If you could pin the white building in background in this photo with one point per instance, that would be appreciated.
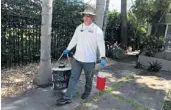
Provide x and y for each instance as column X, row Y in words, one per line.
column 167, row 33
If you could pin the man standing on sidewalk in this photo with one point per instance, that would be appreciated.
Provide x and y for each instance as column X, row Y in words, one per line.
column 87, row 38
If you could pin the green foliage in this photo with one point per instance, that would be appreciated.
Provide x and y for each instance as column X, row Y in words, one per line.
column 114, row 51
column 167, row 104
column 167, row 101
column 29, row 8
column 142, row 13
column 67, row 13
column 151, row 11
column 138, row 65
column 152, row 44
column 135, row 29
column 113, row 27
column 154, row 66
column 146, row 10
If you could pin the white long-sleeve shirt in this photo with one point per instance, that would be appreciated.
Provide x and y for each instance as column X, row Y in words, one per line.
column 87, row 39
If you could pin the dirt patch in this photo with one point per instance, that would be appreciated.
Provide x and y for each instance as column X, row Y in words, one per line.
column 17, row 80
column 153, row 82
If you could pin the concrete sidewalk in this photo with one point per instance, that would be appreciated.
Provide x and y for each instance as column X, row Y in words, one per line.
column 41, row 99
column 120, row 98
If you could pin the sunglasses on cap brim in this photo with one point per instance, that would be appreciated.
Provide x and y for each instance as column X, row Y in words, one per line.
column 87, row 15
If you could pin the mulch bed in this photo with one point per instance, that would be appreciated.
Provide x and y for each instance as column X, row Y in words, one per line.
column 17, row 80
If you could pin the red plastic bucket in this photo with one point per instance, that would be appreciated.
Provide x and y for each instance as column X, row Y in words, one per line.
column 101, row 81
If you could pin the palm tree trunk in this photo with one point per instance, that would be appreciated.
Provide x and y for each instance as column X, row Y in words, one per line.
column 105, row 16
column 100, row 8
column 124, row 23
column 44, row 76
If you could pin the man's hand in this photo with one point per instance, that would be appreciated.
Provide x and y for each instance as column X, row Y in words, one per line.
column 103, row 62
column 66, row 51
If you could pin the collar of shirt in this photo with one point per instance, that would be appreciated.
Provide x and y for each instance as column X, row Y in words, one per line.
column 88, row 28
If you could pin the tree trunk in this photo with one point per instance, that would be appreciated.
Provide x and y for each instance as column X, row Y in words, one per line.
column 124, row 23
column 100, row 8
column 149, row 27
column 43, row 78
column 105, row 16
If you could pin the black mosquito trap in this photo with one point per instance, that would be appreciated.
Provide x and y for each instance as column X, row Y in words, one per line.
column 61, row 73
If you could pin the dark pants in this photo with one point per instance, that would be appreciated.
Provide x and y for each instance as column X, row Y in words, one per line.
column 75, row 75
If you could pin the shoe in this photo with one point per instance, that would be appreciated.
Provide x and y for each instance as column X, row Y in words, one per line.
column 85, row 96
column 63, row 101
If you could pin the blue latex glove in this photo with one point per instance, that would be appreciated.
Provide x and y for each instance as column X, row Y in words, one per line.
column 66, row 51
column 103, row 62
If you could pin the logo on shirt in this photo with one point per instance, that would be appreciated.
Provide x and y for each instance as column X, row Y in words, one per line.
column 91, row 31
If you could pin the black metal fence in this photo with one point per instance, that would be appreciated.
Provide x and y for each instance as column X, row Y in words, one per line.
column 20, row 41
